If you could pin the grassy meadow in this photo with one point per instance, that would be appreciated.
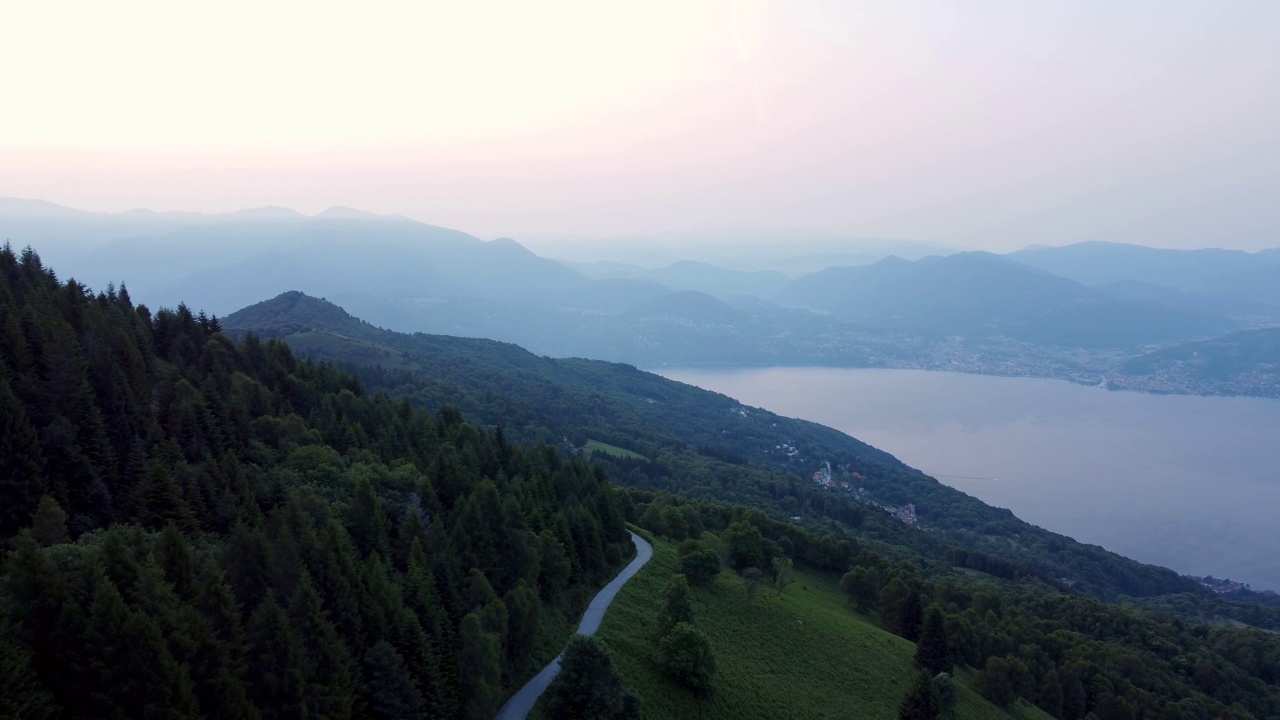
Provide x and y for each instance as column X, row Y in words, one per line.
column 802, row 654
column 606, row 448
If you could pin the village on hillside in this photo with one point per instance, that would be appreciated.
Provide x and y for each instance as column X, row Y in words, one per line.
column 825, row 477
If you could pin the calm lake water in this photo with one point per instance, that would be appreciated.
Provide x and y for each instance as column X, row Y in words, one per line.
column 1191, row 483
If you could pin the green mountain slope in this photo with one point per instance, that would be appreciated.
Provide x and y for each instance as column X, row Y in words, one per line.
column 695, row 443
column 799, row 654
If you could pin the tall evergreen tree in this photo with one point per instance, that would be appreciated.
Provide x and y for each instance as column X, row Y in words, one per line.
column 931, row 649
column 480, row 668
column 276, row 664
column 20, row 463
column 49, row 523
column 330, row 680
column 389, row 691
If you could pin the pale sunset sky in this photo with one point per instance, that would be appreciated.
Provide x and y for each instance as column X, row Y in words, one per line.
column 988, row 124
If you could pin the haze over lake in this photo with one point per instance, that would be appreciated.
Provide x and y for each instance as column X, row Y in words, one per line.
column 1191, row 483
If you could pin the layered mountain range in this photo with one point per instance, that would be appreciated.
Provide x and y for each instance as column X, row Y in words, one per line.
column 1082, row 311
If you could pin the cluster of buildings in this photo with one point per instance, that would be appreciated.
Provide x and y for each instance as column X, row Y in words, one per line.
column 824, row 477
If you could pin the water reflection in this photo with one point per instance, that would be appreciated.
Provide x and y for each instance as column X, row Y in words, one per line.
column 1186, row 482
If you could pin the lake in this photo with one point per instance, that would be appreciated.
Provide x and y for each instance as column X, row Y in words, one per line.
column 1191, row 483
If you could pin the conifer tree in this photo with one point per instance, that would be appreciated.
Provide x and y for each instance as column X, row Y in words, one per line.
column 479, row 666
column 328, row 672
column 175, row 560
column 276, row 670
column 20, row 462
column 135, row 673
column 21, row 694
column 931, row 650
column 389, row 691
column 158, row 500
column 366, row 522
column 49, row 523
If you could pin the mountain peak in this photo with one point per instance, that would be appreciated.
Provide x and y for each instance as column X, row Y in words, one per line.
column 291, row 312
column 339, row 212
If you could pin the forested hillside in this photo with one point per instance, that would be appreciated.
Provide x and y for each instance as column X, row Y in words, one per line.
column 694, row 443
column 195, row 528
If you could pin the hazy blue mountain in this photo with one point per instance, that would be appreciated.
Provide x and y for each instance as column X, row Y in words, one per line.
column 1103, row 263
column 1257, row 284
column 1144, row 292
column 981, row 294
column 692, row 275
column 65, row 231
column 793, row 252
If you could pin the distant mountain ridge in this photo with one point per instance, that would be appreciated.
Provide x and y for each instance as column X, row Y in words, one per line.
column 984, row 294
column 973, row 312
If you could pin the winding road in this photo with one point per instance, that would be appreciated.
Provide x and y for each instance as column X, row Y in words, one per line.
column 522, row 702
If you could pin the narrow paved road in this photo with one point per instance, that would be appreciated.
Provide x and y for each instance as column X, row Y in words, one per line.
column 522, row 702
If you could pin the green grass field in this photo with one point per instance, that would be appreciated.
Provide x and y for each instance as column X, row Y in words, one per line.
column 803, row 654
column 597, row 446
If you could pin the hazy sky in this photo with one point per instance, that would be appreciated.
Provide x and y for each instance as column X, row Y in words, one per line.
column 984, row 124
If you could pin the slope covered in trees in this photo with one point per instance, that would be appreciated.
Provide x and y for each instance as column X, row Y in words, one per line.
column 195, row 528
column 1014, row 643
column 695, row 443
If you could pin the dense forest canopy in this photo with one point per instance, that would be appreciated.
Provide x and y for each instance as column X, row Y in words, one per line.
column 196, row 528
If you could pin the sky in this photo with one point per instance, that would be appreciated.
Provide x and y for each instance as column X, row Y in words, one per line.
column 987, row 124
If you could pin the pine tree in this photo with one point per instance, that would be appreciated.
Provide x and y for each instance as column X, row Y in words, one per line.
column 931, row 650
column 330, row 680
column 389, row 691
column 20, row 463
column 21, row 694
column 158, row 500
column 366, row 522
column 276, row 668
column 49, row 523
column 135, row 673
column 175, row 560
column 480, row 668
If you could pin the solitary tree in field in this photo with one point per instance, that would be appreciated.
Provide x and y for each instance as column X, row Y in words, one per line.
column 783, row 575
column 687, row 657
